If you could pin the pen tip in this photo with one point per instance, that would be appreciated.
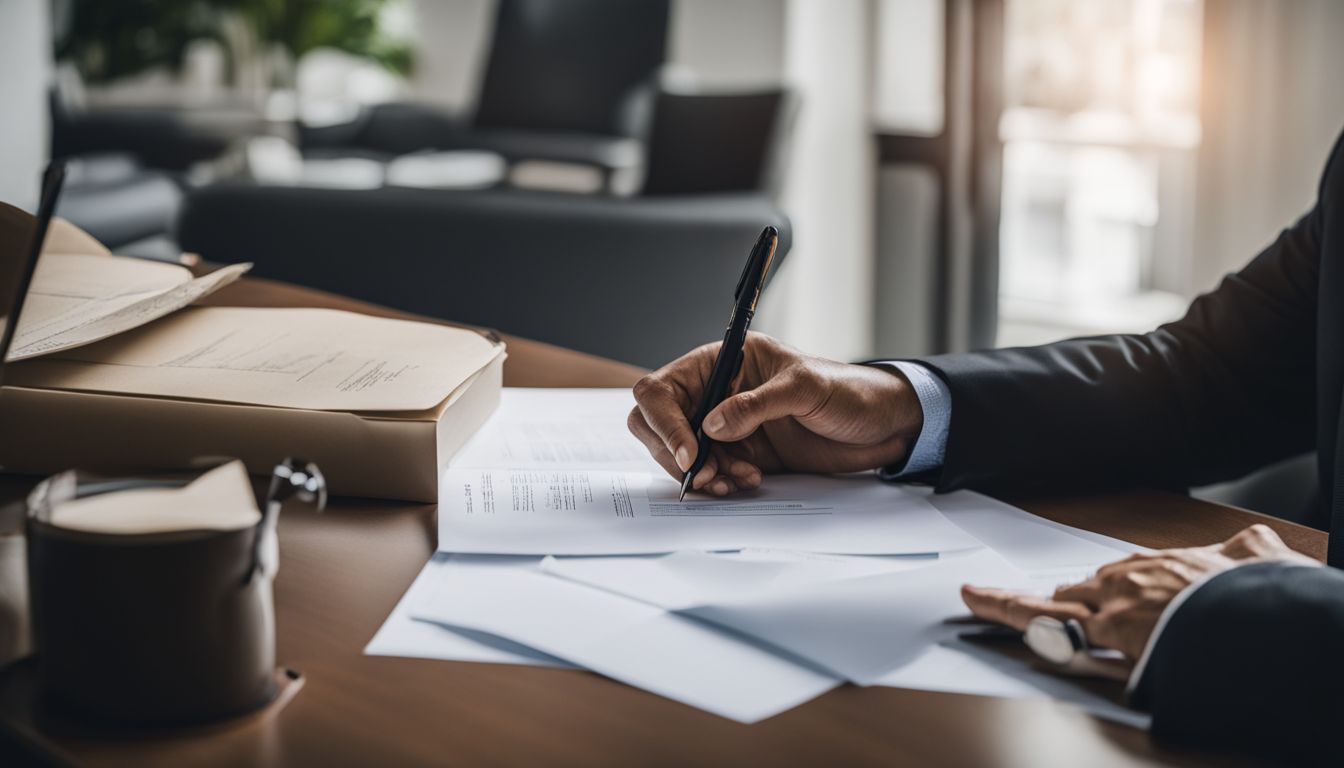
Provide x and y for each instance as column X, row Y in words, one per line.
column 685, row 483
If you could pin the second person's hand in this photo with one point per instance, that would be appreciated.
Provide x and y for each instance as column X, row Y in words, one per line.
column 787, row 412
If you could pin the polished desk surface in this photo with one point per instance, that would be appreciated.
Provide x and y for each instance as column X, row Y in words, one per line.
column 342, row 572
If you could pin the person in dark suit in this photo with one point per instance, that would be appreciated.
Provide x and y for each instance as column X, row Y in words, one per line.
column 1240, row 644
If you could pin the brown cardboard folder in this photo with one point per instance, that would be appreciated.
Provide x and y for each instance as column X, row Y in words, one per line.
column 394, row 455
column 381, row 405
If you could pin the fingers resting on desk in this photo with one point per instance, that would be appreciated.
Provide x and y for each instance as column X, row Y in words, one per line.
column 1120, row 606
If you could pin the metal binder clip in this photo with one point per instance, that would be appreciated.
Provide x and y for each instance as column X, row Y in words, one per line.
column 292, row 479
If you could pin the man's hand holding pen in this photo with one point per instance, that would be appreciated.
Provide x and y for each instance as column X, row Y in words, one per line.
column 786, row 412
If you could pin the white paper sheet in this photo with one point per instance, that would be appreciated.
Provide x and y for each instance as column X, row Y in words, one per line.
column 630, row 641
column 578, row 512
column 1048, row 552
column 402, row 635
column 951, row 665
column 559, row 429
column 1051, row 554
column 684, row 580
column 584, row 430
column 941, row 663
column 1017, row 535
column 860, row 628
column 77, row 299
column 557, row 472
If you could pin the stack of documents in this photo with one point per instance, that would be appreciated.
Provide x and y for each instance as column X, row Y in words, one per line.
column 108, row 347
column 562, row 543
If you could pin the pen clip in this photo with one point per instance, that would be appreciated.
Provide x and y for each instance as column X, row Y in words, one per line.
column 767, row 234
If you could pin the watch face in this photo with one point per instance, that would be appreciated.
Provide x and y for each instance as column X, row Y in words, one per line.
column 1050, row 639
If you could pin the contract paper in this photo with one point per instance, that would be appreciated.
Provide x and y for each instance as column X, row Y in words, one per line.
column 858, row 627
column 633, row 642
column 556, row 472
column 1050, row 554
column 581, row 435
column 684, row 580
column 716, row 586
column 316, row 359
column 596, row 512
column 404, row 636
column 936, row 660
column 559, row 429
column 77, row 299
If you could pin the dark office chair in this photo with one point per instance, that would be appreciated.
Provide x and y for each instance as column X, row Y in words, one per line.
column 705, row 143
column 159, row 138
column 569, row 66
column 120, row 183
column 562, row 83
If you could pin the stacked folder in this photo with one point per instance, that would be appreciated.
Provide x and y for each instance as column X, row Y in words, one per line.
column 112, row 369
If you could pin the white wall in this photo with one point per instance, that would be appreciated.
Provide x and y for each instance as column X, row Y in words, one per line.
column 451, row 41
column 823, row 302
column 728, row 42
column 738, row 42
column 25, row 69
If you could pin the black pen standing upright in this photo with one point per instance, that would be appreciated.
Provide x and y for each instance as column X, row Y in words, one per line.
column 729, row 361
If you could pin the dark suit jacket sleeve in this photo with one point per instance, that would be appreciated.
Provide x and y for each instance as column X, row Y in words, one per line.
column 1252, row 661
column 1226, row 389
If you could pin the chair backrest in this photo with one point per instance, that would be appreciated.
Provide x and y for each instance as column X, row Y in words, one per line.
column 569, row 65
column 721, row 142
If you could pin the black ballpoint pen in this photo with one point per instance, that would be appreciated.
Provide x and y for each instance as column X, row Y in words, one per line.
column 729, row 361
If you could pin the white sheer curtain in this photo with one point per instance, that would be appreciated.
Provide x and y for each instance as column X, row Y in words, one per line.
column 1272, row 105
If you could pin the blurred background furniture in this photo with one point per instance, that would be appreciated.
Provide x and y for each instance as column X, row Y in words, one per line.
column 166, row 139
column 639, row 279
column 128, row 165
column 160, row 137
column 718, row 142
column 563, row 83
column 128, row 208
column 693, row 142
column 636, row 279
column 436, row 211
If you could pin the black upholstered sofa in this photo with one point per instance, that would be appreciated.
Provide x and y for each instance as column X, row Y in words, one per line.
column 638, row 279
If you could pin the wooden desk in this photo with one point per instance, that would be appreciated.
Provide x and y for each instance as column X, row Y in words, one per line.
column 342, row 572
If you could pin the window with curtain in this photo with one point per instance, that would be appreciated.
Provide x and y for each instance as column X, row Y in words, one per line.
column 1100, row 131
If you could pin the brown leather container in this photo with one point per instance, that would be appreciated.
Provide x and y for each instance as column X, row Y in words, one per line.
column 150, row 629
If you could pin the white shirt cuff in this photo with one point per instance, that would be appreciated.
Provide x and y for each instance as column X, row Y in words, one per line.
column 935, row 399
